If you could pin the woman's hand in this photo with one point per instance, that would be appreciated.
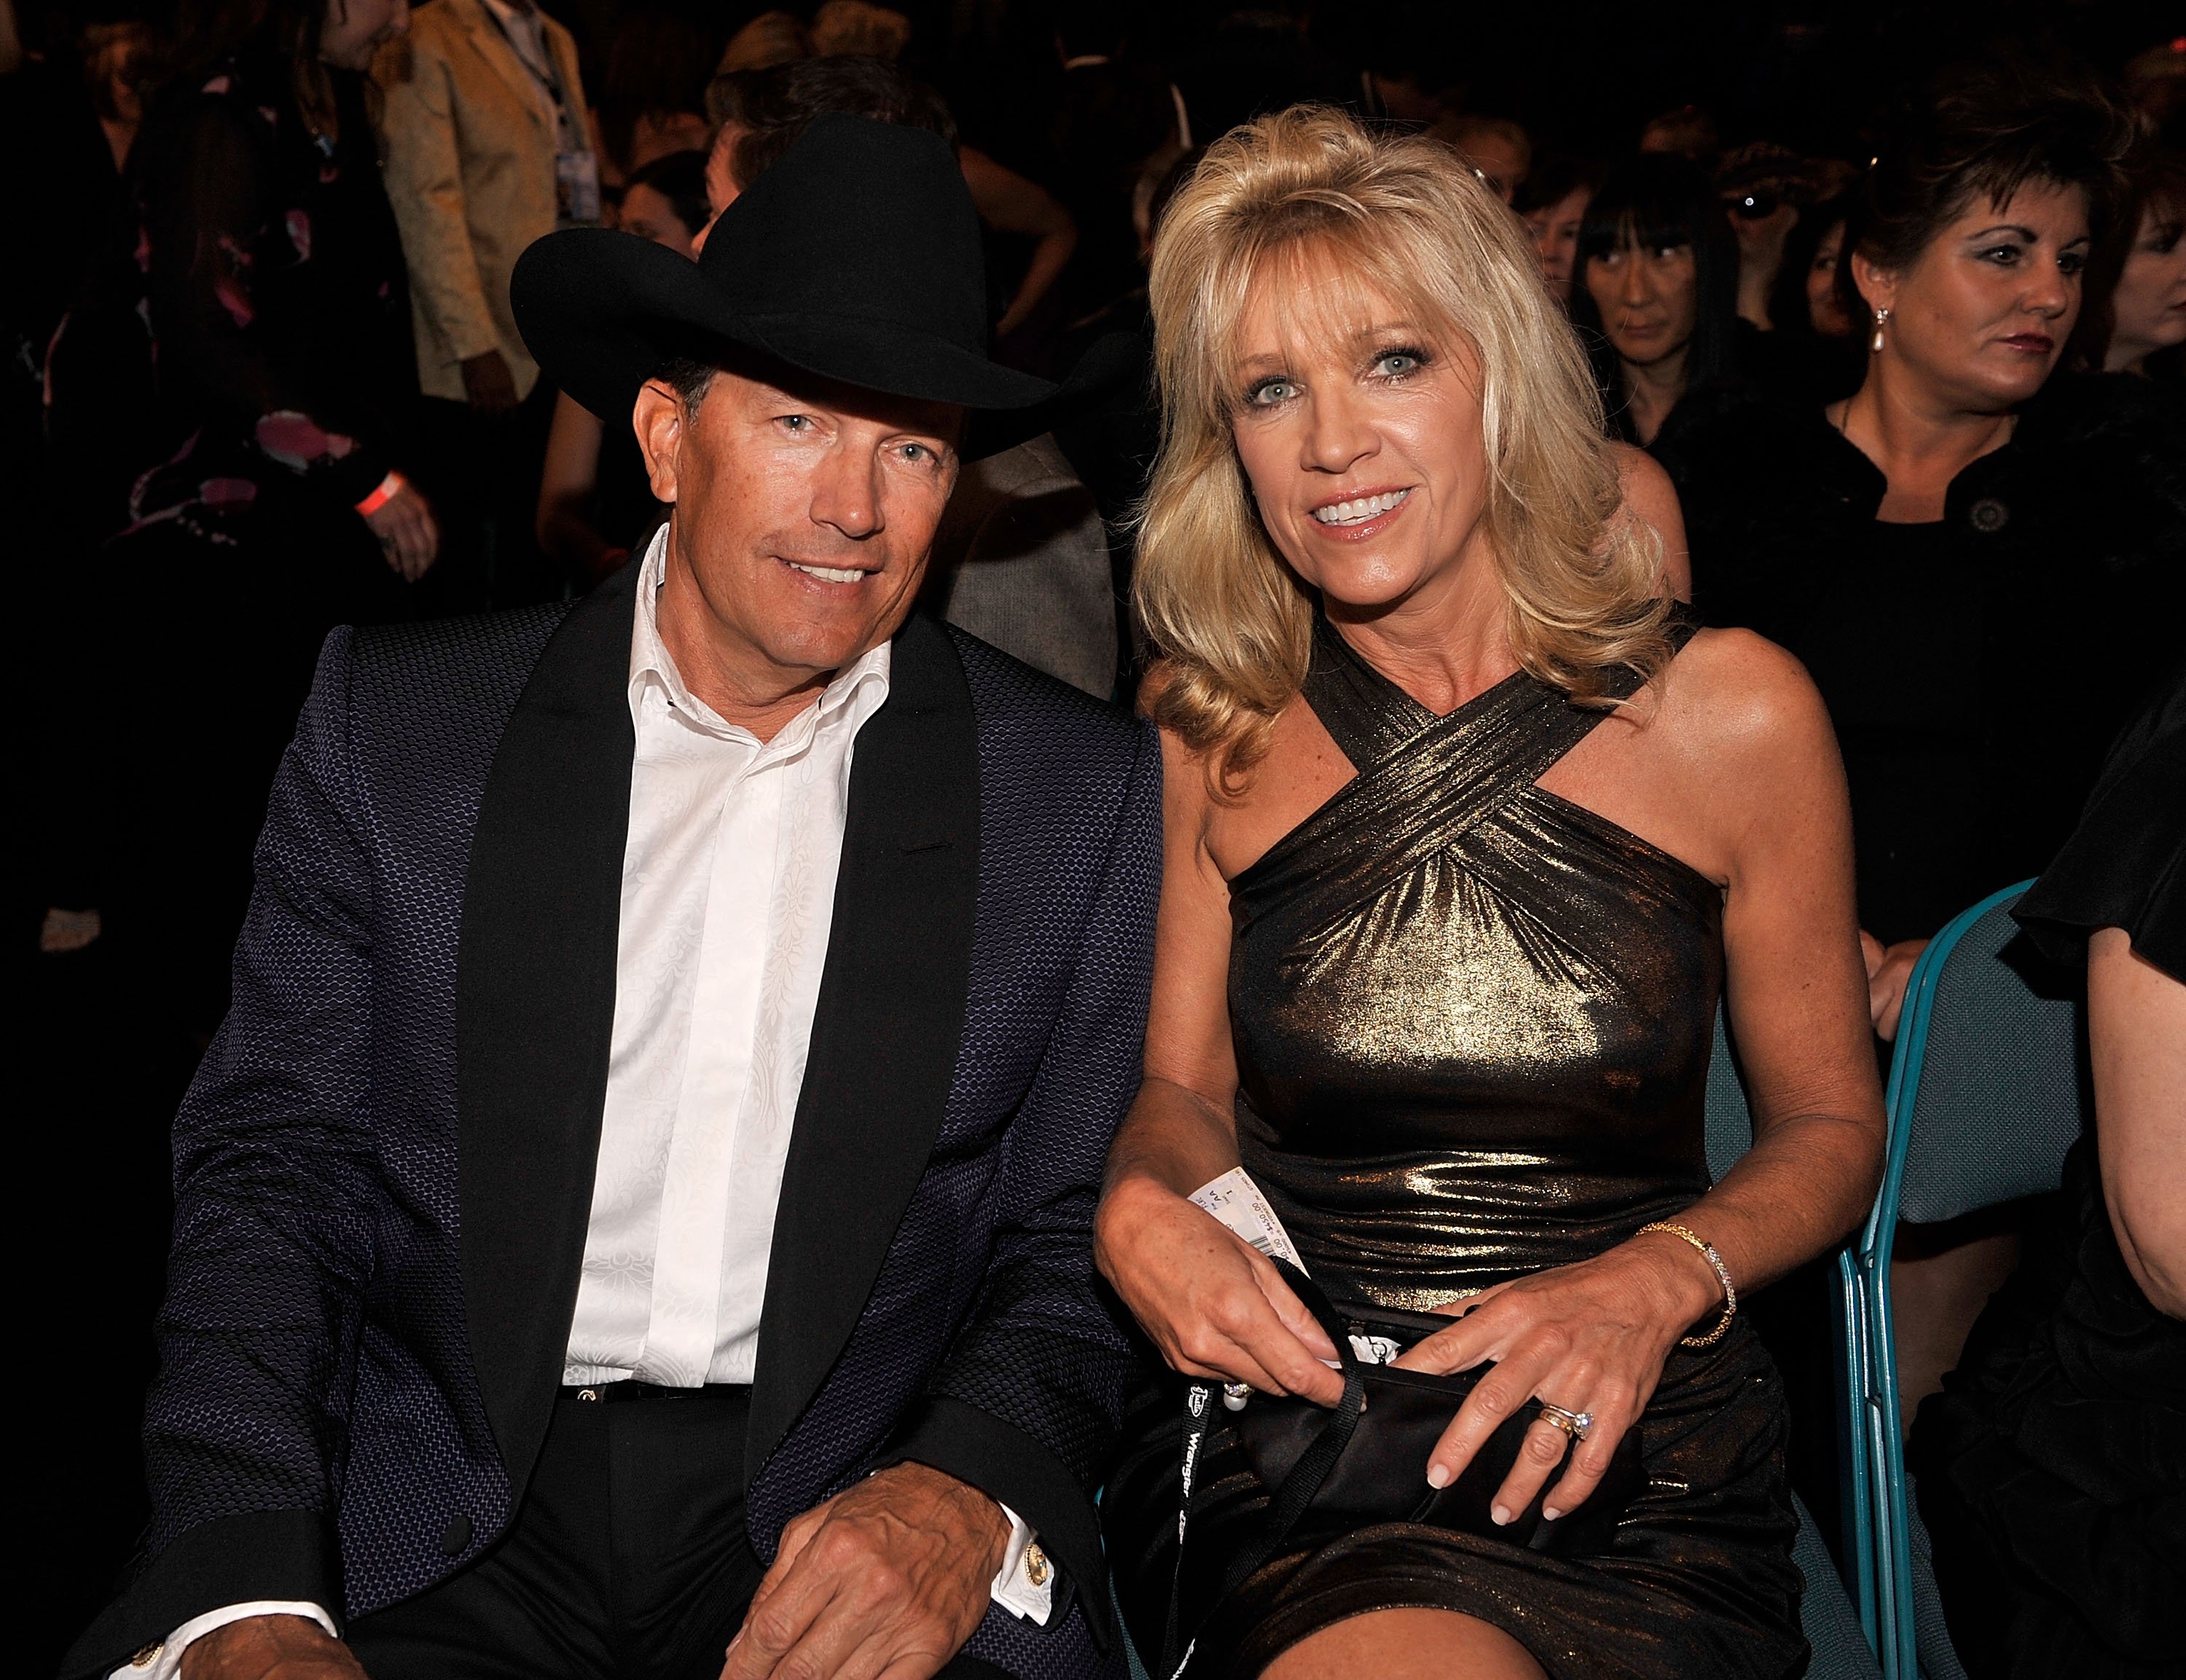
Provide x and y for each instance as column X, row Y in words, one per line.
column 409, row 536
column 1587, row 1338
column 1211, row 1301
column 1889, row 968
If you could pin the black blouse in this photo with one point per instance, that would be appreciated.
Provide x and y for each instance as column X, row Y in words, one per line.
column 1977, row 667
column 2052, row 1468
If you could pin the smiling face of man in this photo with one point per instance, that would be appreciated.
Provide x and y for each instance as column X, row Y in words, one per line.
column 803, row 514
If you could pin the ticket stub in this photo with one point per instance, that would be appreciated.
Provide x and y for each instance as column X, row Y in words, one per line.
column 1236, row 1201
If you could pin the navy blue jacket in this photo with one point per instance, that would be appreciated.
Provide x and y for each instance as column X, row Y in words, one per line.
column 384, row 1169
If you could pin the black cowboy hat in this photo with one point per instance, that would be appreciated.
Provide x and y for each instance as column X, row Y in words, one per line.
column 856, row 257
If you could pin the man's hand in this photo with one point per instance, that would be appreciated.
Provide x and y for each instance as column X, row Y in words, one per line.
column 270, row 1648
column 888, row 1578
column 488, row 383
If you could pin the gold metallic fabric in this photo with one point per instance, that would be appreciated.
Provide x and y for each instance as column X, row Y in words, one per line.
column 1472, row 1023
column 1473, row 1019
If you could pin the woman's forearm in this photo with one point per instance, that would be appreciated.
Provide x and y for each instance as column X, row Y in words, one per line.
column 1173, row 1137
column 1803, row 1187
column 1008, row 202
column 1049, row 258
column 2137, row 1041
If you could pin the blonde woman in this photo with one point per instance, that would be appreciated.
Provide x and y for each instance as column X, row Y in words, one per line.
column 1467, row 831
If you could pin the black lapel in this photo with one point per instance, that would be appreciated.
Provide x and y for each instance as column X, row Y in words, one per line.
column 535, row 1009
column 884, row 1036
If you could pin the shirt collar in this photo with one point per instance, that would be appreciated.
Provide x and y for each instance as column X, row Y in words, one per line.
column 863, row 681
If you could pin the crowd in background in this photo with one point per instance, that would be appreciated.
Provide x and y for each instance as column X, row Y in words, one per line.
column 263, row 377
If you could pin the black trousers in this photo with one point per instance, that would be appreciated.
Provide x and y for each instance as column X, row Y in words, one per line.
column 628, row 1559
column 481, row 473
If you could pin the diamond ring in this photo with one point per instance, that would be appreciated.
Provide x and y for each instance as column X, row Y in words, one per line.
column 1576, row 1424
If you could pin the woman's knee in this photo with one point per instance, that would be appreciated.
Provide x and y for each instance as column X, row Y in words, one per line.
column 1407, row 1645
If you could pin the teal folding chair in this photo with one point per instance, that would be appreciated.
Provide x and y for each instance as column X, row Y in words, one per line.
column 1983, row 1100
column 1839, row 1625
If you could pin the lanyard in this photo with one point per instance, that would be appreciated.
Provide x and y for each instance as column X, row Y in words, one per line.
column 550, row 85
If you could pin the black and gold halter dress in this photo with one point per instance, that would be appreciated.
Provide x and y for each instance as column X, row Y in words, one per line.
column 1472, row 1023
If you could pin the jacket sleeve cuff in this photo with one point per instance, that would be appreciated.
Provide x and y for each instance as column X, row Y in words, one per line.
column 260, row 1556
column 1020, row 1474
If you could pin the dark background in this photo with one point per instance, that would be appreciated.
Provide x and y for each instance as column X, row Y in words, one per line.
column 106, row 1068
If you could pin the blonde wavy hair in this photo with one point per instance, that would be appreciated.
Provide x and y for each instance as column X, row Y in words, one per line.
column 1403, row 218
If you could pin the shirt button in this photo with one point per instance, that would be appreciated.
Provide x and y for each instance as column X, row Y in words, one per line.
column 148, row 1655
column 456, row 1535
column 1988, row 514
column 1037, row 1568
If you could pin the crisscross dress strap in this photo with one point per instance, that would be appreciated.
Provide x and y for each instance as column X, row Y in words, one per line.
column 1423, row 781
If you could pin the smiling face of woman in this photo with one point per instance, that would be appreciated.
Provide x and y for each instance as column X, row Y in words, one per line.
column 1649, row 300
column 1978, row 318
column 1360, row 429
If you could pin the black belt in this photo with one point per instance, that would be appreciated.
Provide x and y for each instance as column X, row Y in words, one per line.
column 630, row 1388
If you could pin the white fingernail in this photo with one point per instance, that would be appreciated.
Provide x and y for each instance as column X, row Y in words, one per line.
column 1549, row 1512
column 1437, row 1476
column 1501, row 1513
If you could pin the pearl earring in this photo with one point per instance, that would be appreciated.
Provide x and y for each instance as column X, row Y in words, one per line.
column 1881, row 320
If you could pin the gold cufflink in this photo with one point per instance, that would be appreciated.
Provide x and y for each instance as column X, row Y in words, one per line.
column 1037, row 1568
column 148, row 1655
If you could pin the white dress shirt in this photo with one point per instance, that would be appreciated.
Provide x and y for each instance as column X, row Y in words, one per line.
column 728, row 896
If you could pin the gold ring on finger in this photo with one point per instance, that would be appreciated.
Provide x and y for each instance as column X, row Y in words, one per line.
column 1576, row 1424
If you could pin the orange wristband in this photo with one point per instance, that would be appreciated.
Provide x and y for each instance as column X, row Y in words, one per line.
column 389, row 487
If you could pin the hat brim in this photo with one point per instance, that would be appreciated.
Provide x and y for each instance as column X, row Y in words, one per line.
column 603, row 311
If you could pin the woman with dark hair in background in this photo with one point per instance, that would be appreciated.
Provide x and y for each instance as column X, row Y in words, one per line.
column 1815, row 354
column 2147, row 314
column 273, row 281
column 1654, row 301
column 1552, row 202
column 653, row 102
column 596, row 503
column 1977, row 580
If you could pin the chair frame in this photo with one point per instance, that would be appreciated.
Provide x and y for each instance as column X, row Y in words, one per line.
column 1851, row 1349
column 1880, row 1452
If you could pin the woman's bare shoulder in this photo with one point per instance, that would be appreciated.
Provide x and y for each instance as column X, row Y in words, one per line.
column 1746, row 706
column 1652, row 498
column 1186, row 784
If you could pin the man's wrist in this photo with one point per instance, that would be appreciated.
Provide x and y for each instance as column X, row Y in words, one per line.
column 201, row 1639
column 984, row 1514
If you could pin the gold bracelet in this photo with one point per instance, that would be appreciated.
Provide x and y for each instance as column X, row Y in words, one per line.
column 1722, row 1276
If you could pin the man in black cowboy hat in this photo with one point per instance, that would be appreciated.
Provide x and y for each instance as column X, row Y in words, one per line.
column 651, row 1157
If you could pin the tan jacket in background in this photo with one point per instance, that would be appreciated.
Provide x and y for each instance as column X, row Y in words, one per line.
column 470, row 171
